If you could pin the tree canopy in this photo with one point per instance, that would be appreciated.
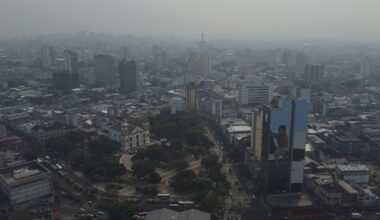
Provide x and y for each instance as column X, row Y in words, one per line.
column 121, row 211
column 142, row 167
column 184, row 181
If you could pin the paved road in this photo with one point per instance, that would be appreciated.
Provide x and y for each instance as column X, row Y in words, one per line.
column 240, row 199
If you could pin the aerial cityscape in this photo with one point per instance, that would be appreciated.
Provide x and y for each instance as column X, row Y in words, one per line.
column 158, row 116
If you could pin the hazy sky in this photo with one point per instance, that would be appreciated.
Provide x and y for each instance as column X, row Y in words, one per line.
column 218, row 19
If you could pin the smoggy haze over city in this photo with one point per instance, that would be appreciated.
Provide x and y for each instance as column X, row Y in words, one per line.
column 220, row 19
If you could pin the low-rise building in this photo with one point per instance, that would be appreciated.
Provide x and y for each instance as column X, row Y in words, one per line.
column 27, row 185
column 331, row 156
column 347, row 144
column 311, row 213
column 44, row 132
column 233, row 127
column 354, row 173
column 324, row 189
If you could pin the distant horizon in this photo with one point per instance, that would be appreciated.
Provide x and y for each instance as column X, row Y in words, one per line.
column 338, row 20
column 195, row 37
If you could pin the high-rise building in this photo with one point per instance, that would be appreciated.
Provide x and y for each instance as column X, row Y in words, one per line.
column 71, row 61
column 301, row 93
column 210, row 104
column 299, row 65
column 47, row 58
column 313, row 73
column 203, row 45
column 65, row 81
column 200, row 64
column 200, row 61
column 3, row 130
column 125, row 53
column 365, row 67
column 191, row 97
column 252, row 93
column 159, row 57
column 127, row 76
column 278, row 143
column 105, row 71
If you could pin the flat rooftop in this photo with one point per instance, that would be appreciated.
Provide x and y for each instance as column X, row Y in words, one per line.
column 353, row 167
column 347, row 138
column 233, row 121
column 315, row 139
column 23, row 172
column 238, row 128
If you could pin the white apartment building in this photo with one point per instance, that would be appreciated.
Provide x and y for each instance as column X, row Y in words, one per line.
column 47, row 58
column 255, row 93
column 354, row 173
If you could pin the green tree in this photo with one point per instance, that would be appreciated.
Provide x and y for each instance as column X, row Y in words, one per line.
column 153, row 178
column 202, row 187
column 209, row 161
column 75, row 136
column 30, row 155
column 121, row 211
column 215, row 174
column 182, row 165
column 156, row 153
column 184, row 181
column 176, row 144
column 148, row 189
column 60, row 146
column 103, row 146
column 212, row 200
column 77, row 158
column 175, row 155
column 168, row 130
column 142, row 167
column 192, row 136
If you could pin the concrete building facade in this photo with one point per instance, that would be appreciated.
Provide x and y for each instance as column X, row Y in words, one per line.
column 27, row 184
column 127, row 76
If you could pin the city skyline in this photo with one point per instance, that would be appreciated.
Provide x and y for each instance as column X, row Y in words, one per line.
column 291, row 19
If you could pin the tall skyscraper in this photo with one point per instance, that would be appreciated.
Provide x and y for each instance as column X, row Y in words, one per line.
column 159, row 57
column 71, row 61
column 47, row 58
column 127, row 76
column 278, row 142
column 3, row 129
column 191, row 97
column 65, row 81
column 105, row 71
column 125, row 53
column 313, row 73
column 200, row 62
column 365, row 67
